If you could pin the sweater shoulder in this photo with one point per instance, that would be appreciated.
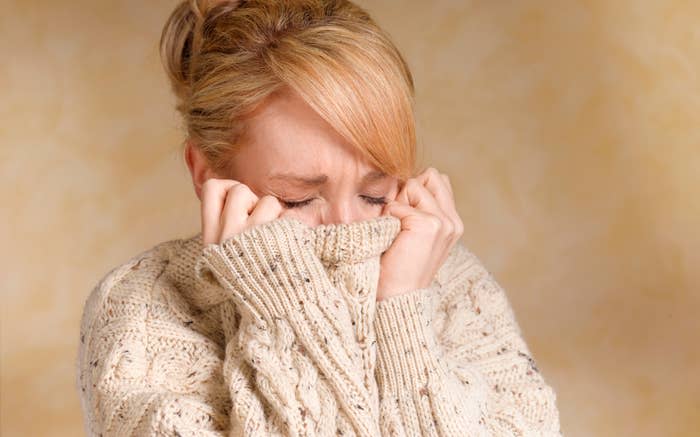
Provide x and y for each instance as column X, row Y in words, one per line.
column 133, row 317
column 464, row 276
column 132, row 280
column 459, row 260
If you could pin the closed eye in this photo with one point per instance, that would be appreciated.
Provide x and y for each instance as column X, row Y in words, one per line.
column 299, row 204
column 302, row 203
column 374, row 200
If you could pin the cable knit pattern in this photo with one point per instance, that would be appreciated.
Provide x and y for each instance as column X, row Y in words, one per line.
column 276, row 331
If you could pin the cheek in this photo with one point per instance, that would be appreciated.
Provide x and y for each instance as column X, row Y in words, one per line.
column 309, row 215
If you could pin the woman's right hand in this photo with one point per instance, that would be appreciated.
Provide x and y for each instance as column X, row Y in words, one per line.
column 229, row 207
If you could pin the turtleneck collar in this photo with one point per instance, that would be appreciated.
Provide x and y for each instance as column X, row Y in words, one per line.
column 335, row 244
column 349, row 243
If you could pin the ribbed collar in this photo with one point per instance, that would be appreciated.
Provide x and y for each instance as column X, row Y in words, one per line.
column 335, row 244
column 349, row 243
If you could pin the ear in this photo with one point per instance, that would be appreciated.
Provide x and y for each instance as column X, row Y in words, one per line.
column 198, row 166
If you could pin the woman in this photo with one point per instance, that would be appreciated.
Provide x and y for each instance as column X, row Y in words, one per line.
column 327, row 292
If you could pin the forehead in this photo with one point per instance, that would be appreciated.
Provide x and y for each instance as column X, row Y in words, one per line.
column 287, row 135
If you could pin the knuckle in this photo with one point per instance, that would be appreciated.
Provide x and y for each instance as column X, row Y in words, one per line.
column 449, row 227
column 208, row 184
column 239, row 190
column 434, row 223
column 237, row 187
column 269, row 199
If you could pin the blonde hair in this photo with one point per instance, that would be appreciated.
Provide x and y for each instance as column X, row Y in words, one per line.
column 225, row 58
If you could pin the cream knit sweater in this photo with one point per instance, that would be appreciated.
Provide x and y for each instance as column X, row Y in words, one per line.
column 276, row 331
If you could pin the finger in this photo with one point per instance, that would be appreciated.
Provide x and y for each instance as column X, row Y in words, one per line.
column 240, row 200
column 213, row 199
column 413, row 219
column 409, row 216
column 434, row 182
column 438, row 184
column 416, row 195
column 426, row 223
column 447, row 182
column 267, row 209
column 396, row 209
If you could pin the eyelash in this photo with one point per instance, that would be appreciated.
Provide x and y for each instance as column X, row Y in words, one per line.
column 368, row 199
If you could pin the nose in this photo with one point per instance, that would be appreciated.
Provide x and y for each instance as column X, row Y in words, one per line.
column 340, row 212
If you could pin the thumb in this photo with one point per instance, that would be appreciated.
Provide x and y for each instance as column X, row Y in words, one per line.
column 397, row 209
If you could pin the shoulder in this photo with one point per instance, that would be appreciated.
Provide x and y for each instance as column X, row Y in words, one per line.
column 131, row 322
column 130, row 281
column 459, row 263
column 464, row 276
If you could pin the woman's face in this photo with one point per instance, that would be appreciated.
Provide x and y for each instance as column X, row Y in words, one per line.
column 290, row 152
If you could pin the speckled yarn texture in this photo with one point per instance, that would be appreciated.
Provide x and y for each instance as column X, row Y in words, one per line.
column 277, row 332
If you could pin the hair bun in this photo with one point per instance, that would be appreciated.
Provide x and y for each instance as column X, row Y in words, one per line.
column 181, row 39
column 176, row 46
column 205, row 7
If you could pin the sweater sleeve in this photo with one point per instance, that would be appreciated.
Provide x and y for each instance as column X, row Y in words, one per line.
column 296, row 330
column 472, row 375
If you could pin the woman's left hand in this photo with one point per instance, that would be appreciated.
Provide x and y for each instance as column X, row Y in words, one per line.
column 430, row 226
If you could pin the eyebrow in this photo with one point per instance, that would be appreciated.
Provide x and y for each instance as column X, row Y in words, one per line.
column 314, row 181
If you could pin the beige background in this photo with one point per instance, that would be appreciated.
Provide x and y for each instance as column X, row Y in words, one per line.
column 569, row 129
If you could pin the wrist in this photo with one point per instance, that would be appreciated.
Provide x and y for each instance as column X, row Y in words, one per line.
column 388, row 291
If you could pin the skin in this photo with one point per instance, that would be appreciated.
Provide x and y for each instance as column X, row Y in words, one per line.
column 286, row 136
